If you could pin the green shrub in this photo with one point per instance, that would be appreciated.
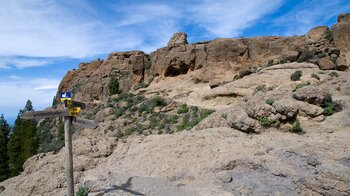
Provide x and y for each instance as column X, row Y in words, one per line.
column 334, row 60
column 322, row 55
column 328, row 110
column 140, row 85
column 194, row 108
column 269, row 63
column 321, row 72
column 83, row 191
column 160, row 132
column 296, row 128
column 184, row 124
column 305, row 56
column 296, row 75
column 269, row 101
column 205, row 113
column 153, row 122
column 315, row 76
column 261, row 87
column 148, row 64
column 329, row 107
column 119, row 112
column 183, row 109
column 174, row 119
column 113, row 86
column 276, row 124
column 158, row 101
column 236, row 77
column 301, row 85
column 328, row 35
column 264, row 121
column 283, row 60
column 334, row 74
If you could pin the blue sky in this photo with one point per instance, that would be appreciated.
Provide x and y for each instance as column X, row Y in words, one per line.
column 41, row 39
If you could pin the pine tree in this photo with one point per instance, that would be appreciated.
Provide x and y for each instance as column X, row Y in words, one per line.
column 14, row 148
column 54, row 102
column 4, row 166
column 23, row 141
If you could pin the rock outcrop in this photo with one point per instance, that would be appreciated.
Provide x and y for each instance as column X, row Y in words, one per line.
column 217, row 60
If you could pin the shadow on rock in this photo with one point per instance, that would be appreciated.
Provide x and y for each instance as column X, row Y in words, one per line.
column 123, row 187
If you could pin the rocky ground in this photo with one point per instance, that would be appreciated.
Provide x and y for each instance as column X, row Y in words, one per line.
column 231, row 152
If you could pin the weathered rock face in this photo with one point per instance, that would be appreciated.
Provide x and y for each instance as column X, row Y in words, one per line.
column 179, row 38
column 217, row 60
column 341, row 34
column 90, row 81
column 317, row 33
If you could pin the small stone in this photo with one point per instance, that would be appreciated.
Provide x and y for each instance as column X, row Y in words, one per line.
column 214, row 84
column 313, row 161
column 224, row 176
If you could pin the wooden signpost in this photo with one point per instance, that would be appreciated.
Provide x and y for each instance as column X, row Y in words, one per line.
column 70, row 113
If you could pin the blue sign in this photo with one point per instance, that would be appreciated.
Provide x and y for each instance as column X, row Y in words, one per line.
column 66, row 95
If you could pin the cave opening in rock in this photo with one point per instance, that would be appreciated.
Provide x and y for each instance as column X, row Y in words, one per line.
column 173, row 71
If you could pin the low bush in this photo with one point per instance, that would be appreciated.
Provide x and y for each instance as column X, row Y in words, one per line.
column 183, row 109
column 296, row 128
column 296, row 75
column 269, row 101
column 283, row 61
column 259, row 88
column 264, row 121
column 305, row 56
column 113, row 86
column 269, row 63
column 140, row 85
column 301, row 85
column 83, row 191
column 118, row 112
column 328, row 35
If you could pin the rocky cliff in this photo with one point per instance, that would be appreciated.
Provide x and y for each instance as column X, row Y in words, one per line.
column 217, row 60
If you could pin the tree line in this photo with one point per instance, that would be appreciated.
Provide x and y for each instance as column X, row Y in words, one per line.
column 24, row 140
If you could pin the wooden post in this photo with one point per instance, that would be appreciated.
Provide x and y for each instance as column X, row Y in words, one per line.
column 69, row 154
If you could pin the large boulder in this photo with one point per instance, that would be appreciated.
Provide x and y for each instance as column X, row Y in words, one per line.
column 341, row 34
column 310, row 94
column 326, row 64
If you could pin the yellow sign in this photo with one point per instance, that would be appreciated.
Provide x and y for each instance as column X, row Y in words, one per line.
column 68, row 99
column 74, row 111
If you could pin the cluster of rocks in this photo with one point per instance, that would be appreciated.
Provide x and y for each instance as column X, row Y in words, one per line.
column 282, row 104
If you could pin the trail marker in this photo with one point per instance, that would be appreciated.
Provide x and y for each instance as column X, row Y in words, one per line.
column 70, row 114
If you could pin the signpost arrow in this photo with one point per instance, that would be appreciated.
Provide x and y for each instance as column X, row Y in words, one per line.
column 69, row 114
column 46, row 114
column 84, row 123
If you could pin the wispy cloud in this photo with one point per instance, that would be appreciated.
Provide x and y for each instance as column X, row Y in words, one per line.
column 52, row 29
column 311, row 13
column 15, row 93
column 23, row 62
column 230, row 18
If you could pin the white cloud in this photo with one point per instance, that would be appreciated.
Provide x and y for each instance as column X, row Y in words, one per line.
column 311, row 13
column 52, row 29
column 23, row 62
column 229, row 18
column 72, row 29
column 14, row 94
